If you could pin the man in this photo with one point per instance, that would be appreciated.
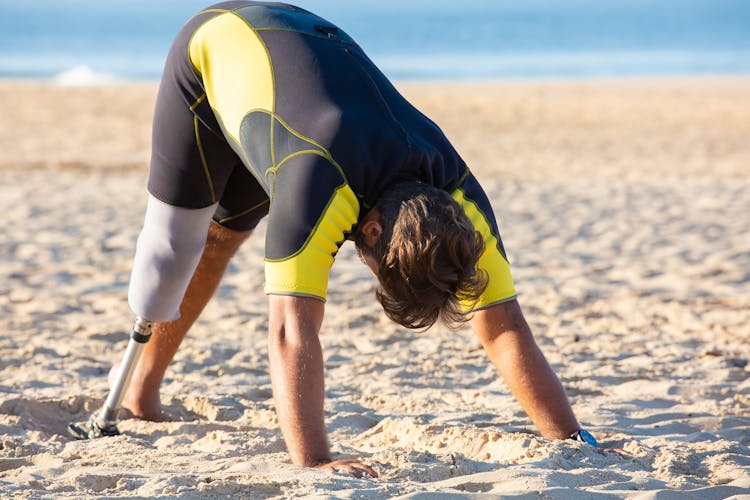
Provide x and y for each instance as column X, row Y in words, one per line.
column 269, row 109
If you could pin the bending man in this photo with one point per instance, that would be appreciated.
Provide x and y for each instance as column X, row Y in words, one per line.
column 271, row 110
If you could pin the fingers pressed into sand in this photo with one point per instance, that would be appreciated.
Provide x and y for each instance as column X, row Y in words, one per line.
column 349, row 465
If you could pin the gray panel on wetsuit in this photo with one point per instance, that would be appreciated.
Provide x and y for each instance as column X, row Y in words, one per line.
column 259, row 132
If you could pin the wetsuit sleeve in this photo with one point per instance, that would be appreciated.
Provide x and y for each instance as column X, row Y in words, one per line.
column 312, row 212
column 493, row 261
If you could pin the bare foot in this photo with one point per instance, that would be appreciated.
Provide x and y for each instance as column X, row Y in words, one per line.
column 138, row 402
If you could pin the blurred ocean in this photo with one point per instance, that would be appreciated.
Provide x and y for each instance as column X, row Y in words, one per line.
column 87, row 41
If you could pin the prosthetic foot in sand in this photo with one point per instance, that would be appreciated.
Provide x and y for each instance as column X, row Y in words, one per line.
column 104, row 423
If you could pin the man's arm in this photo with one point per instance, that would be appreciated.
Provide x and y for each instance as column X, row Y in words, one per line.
column 510, row 345
column 296, row 360
column 297, row 375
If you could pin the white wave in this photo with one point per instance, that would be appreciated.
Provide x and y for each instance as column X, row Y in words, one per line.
column 83, row 75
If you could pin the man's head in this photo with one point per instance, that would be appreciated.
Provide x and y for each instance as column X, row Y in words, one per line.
column 423, row 250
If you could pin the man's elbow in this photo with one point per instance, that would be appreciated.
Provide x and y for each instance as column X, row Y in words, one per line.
column 284, row 337
column 293, row 322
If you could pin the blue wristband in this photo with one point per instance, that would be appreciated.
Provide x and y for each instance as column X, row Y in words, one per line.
column 585, row 436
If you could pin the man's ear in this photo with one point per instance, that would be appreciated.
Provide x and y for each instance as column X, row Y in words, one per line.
column 371, row 230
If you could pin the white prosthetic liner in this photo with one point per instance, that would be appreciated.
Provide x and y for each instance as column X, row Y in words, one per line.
column 168, row 251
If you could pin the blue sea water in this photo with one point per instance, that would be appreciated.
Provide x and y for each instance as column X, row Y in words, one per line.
column 89, row 41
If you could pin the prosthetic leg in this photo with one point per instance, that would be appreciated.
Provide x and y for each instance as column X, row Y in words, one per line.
column 104, row 423
column 168, row 251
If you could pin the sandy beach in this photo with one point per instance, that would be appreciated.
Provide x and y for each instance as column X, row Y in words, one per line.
column 623, row 206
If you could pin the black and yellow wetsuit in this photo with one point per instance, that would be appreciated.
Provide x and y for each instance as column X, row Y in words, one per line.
column 269, row 109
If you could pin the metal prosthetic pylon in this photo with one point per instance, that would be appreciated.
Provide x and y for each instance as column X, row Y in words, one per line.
column 104, row 423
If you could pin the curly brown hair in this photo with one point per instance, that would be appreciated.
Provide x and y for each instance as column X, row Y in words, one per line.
column 427, row 257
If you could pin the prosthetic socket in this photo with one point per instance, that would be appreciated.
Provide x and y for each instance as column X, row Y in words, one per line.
column 168, row 250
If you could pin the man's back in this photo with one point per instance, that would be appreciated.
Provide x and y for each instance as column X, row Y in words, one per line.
column 282, row 81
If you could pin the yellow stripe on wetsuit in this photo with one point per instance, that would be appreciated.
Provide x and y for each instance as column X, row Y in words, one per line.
column 500, row 286
column 235, row 67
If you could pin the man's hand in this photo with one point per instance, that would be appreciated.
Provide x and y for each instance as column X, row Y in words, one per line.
column 350, row 465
